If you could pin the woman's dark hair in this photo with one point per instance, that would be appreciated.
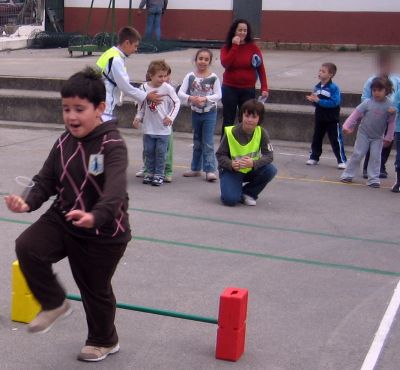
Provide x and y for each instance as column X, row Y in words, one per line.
column 204, row 50
column 382, row 83
column 86, row 84
column 253, row 106
column 232, row 30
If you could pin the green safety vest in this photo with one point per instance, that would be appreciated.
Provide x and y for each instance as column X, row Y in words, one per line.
column 251, row 149
column 105, row 61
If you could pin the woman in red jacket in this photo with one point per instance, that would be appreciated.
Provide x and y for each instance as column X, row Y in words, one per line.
column 243, row 63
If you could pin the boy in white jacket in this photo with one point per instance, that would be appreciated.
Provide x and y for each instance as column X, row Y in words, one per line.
column 115, row 77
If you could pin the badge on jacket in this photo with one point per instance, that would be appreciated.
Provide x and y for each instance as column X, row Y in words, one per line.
column 96, row 164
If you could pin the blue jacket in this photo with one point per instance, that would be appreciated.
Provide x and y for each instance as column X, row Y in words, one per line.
column 328, row 107
column 396, row 103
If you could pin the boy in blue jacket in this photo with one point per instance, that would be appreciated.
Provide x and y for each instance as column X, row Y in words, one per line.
column 326, row 98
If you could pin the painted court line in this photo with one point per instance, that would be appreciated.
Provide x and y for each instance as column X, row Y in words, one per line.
column 266, row 227
column 338, row 266
column 383, row 331
column 210, row 248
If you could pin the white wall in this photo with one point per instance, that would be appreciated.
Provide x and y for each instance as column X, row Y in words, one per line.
column 288, row 5
column 333, row 5
column 172, row 4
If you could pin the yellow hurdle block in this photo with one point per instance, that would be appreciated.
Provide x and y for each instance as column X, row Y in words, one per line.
column 24, row 306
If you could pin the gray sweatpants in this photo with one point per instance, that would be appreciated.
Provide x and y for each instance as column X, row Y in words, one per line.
column 361, row 146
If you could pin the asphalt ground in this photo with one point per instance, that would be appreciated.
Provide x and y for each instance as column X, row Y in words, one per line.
column 285, row 69
column 320, row 260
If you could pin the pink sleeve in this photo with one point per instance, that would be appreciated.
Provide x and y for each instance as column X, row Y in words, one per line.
column 391, row 126
column 352, row 120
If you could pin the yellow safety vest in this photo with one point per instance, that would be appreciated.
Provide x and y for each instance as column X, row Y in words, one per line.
column 251, row 149
column 105, row 61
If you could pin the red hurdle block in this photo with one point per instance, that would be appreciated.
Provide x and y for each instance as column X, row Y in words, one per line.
column 232, row 317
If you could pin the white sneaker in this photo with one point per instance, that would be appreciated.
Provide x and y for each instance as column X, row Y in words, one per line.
column 342, row 166
column 140, row 173
column 248, row 200
column 311, row 162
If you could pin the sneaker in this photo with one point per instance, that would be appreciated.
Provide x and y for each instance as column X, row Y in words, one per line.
column 365, row 175
column 191, row 174
column 157, row 181
column 45, row 319
column 140, row 173
column 211, row 176
column 375, row 185
column 168, row 179
column 148, row 179
column 396, row 188
column 383, row 174
column 311, row 162
column 94, row 354
column 342, row 166
column 346, row 180
column 248, row 200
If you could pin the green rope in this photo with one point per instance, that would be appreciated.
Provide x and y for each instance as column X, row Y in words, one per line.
column 156, row 311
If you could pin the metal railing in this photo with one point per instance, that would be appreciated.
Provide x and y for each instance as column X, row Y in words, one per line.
column 14, row 13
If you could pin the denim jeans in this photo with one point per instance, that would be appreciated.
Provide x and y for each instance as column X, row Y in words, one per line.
column 232, row 100
column 155, row 153
column 203, row 141
column 153, row 22
column 231, row 183
column 397, row 141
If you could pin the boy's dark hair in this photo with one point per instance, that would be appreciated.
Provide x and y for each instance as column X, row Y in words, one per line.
column 157, row 65
column 253, row 106
column 128, row 33
column 86, row 84
column 382, row 83
column 332, row 69
column 204, row 50
column 232, row 30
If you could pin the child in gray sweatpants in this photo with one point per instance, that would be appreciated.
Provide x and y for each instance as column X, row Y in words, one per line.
column 376, row 115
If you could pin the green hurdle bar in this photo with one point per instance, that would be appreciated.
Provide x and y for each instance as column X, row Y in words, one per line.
column 155, row 311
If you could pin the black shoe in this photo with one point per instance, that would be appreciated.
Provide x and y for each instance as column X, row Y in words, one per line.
column 383, row 174
column 147, row 179
column 374, row 185
column 396, row 188
column 365, row 174
column 157, row 181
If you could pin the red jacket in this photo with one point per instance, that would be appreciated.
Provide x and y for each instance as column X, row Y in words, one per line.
column 238, row 69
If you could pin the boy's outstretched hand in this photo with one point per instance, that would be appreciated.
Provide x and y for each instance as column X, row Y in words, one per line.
column 80, row 218
column 16, row 204
column 154, row 97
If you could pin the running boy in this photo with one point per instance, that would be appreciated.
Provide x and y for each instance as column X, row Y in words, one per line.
column 88, row 220
column 116, row 79
column 157, row 121
column 326, row 98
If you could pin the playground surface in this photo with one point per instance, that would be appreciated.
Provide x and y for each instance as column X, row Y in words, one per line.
column 319, row 258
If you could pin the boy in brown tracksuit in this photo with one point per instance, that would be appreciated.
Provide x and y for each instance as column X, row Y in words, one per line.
column 88, row 220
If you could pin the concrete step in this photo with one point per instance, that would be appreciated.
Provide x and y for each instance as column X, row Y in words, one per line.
column 285, row 96
column 292, row 122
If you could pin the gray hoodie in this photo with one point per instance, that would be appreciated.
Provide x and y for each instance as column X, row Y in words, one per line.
column 151, row 4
